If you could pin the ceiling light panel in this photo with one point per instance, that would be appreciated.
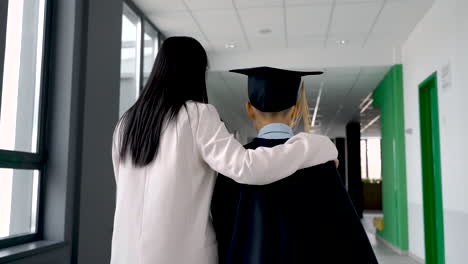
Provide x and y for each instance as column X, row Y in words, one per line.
column 352, row 41
column 265, row 31
column 256, row 19
column 230, row 45
column 223, row 47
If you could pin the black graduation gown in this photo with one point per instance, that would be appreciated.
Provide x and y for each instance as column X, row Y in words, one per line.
column 305, row 218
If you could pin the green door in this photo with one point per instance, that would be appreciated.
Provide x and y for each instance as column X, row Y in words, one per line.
column 431, row 173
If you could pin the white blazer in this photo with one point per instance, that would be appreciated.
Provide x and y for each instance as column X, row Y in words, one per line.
column 162, row 213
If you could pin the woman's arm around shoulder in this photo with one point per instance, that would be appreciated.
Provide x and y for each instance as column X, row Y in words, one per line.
column 225, row 154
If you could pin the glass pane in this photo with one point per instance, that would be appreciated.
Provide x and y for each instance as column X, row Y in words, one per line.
column 150, row 51
column 18, row 202
column 21, row 85
column 130, row 60
column 364, row 159
column 373, row 152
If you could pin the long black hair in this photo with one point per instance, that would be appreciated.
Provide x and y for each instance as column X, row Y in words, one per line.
column 178, row 76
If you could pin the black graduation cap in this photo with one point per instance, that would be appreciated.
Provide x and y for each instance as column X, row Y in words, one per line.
column 271, row 89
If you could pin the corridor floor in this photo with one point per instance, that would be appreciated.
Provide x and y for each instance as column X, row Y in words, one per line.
column 384, row 254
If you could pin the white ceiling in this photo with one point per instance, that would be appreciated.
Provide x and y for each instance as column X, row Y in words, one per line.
column 293, row 23
column 343, row 91
column 304, row 35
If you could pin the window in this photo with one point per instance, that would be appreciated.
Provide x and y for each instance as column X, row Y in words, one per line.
column 140, row 45
column 364, row 159
column 18, row 188
column 21, row 76
column 370, row 159
column 150, row 50
column 21, row 119
column 130, row 59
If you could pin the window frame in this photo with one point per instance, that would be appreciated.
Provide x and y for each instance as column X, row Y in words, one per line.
column 368, row 177
column 143, row 20
column 147, row 27
column 3, row 27
column 12, row 159
column 366, row 158
column 132, row 15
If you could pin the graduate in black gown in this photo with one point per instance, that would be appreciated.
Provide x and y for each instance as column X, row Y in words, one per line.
column 307, row 217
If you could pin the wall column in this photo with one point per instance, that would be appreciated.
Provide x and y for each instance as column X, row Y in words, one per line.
column 341, row 147
column 353, row 158
column 388, row 97
column 101, row 84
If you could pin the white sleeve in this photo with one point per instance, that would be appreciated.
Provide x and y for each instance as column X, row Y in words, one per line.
column 226, row 155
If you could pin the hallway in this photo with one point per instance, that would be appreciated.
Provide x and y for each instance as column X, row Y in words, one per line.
column 391, row 98
column 384, row 254
column 387, row 256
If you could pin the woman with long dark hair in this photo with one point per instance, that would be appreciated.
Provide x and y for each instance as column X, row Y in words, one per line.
column 166, row 149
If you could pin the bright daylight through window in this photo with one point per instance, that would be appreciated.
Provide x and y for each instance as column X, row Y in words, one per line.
column 130, row 59
column 21, row 120
column 150, row 50
column 370, row 159
column 140, row 45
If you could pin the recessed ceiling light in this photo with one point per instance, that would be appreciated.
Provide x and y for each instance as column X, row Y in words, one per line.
column 264, row 31
column 230, row 45
column 342, row 41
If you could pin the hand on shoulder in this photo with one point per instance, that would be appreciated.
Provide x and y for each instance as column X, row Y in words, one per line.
column 325, row 148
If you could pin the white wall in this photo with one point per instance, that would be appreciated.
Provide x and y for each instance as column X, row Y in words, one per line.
column 440, row 39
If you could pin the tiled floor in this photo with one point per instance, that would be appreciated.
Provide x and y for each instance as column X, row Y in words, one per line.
column 384, row 254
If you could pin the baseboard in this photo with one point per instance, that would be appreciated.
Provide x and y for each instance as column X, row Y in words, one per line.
column 416, row 258
column 391, row 246
column 399, row 251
